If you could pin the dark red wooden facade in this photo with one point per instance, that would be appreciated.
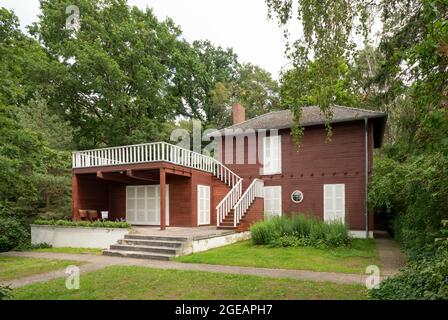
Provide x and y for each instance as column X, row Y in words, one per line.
column 317, row 162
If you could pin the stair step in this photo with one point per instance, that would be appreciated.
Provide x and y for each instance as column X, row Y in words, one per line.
column 151, row 243
column 164, row 250
column 221, row 227
column 226, row 223
column 138, row 255
column 146, row 237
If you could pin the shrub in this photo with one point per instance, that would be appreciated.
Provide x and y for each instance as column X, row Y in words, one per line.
column 423, row 278
column 5, row 292
column 261, row 233
column 28, row 246
column 87, row 224
column 300, row 230
column 12, row 233
column 414, row 194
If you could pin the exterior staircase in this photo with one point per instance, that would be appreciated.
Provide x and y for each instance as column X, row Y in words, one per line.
column 227, row 222
column 148, row 247
column 233, row 208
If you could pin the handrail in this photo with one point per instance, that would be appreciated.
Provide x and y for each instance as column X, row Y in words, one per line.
column 254, row 190
column 228, row 202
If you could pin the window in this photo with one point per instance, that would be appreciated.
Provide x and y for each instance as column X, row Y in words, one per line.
column 272, row 150
column 297, row 196
column 273, row 201
column 334, row 202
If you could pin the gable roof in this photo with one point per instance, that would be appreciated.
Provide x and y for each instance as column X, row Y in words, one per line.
column 312, row 115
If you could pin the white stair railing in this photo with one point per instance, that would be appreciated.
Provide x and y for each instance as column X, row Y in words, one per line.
column 242, row 205
column 228, row 202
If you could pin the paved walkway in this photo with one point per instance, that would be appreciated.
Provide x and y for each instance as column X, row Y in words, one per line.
column 390, row 257
column 95, row 262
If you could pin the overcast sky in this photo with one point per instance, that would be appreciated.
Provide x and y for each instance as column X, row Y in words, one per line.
column 240, row 24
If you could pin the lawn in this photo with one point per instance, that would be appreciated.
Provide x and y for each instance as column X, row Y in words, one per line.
column 19, row 267
column 129, row 282
column 71, row 250
column 354, row 259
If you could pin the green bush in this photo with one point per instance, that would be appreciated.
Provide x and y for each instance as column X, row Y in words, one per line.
column 5, row 292
column 423, row 278
column 87, row 224
column 413, row 194
column 12, row 233
column 300, row 230
column 28, row 246
column 426, row 278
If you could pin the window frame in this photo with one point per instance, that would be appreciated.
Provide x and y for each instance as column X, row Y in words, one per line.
column 292, row 198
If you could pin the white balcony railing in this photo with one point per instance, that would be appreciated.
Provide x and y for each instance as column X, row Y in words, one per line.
column 254, row 190
column 154, row 152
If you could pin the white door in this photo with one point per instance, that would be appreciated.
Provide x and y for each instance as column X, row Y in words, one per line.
column 272, row 201
column 203, row 205
column 334, row 202
column 143, row 205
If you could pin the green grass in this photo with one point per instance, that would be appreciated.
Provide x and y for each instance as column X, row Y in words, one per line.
column 354, row 259
column 126, row 282
column 71, row 250
column 20, row 267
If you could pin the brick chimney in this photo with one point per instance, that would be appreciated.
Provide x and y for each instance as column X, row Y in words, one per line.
column 239, row 113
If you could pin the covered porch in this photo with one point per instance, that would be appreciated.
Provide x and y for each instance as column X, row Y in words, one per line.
column 151, row 194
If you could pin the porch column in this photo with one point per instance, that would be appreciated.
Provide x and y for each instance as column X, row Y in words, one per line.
column 162, row 198
column 75, row 197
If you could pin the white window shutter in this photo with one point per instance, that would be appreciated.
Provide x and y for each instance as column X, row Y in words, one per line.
column 272, row 154
column 273, row 200
column 334, row 202
column 203, row 204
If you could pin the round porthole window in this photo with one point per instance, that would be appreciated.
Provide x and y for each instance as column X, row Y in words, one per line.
column 297, row 196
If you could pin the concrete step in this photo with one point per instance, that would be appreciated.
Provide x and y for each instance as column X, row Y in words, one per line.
column 147, row 237
column 152, row 243
column 163, row 250
column 138, row 255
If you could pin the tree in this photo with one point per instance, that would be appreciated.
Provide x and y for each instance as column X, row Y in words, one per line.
column 209, row 97
column 56, row 132
column 116, row 80
column 256, row 90
column 21, row 156
column 300, row 88
column 327, row 27
column 219, row 81
column 54, row 182
column 34, row 161
column 21, row 63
